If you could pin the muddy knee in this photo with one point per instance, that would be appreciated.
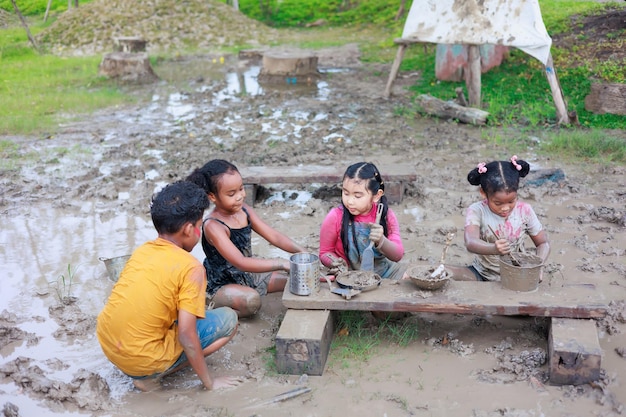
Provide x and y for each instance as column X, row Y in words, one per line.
column 251, row 306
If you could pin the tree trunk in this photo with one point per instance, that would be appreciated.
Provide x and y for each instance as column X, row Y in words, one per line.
column 30, row 36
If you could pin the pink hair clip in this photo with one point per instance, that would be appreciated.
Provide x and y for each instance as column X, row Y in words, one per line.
column 515, row 164
column 482, row 168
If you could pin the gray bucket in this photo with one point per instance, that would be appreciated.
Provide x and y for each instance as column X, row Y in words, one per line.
column 304, row 273
column 524, row 277
column 115, row 265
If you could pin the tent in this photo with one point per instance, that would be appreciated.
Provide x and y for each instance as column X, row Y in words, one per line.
column 515, row 23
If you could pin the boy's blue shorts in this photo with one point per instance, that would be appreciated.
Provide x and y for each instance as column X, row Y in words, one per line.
column 218, row 323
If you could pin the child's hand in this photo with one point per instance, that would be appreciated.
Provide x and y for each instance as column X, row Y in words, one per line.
column 337, row 266
column 503, row 246
column 226, row 382
column 376, row 233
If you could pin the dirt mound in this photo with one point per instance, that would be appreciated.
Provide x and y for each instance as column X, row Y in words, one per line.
column 597, row 37
column 166, row 25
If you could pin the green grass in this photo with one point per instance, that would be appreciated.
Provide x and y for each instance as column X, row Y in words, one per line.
column 38, row 91
column 591, row 145
column 359, row 335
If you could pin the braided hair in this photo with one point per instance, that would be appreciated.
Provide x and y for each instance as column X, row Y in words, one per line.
column 367, row 172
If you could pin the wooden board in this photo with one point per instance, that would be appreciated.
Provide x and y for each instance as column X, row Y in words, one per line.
column 316, row 173
column 461, row 297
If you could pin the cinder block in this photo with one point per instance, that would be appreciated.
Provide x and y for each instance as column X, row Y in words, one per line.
column 250, row 190
column 303, row 342
column 394, row 190
column 574, row 352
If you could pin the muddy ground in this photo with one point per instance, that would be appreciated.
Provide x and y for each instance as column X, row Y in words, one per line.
column 82, row 194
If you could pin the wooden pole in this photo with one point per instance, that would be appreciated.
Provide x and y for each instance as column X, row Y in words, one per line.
column 45, row 16
column 557, row 94
column 394, row 69
column 30, row 37
column 472, row 78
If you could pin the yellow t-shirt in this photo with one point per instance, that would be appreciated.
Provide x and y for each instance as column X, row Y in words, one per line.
column 136, row 328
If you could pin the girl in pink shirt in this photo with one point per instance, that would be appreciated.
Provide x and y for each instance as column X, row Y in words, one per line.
column 348, row 229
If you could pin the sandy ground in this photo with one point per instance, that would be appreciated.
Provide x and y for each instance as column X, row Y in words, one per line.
column 83, row 194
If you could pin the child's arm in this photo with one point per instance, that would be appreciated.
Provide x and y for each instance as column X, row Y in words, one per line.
column 541, row 243
column 188, row 337
column 475, row 244
column 391, row 245
column 272, row 235
column 218, row 235
column 330, row 239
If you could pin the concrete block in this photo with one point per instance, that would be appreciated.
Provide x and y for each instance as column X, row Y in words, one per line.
column 303, row 342
column 394, row 190
column 574, row 352
column 250, row 190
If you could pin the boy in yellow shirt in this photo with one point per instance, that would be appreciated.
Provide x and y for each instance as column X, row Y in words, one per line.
column 155, row 322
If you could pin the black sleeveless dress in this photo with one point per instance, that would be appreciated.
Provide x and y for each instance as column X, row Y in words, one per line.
column 219, row 271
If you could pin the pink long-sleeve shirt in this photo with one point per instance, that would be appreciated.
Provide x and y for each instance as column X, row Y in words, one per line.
column 330, row 233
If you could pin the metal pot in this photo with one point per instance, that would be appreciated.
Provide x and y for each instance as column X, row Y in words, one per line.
column 304, row 273
column 115, row 265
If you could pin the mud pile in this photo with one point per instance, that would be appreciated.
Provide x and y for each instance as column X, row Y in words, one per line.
column 167, row 25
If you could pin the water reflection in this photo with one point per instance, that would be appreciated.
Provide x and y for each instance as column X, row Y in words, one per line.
column 48, row 252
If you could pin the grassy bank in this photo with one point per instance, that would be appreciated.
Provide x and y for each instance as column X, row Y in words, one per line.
column 38, row 90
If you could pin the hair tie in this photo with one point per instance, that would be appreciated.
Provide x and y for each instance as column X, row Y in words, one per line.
column 482, row 168
column 515, row 164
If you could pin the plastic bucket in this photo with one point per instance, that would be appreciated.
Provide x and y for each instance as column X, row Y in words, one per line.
column 115, row 265
column 524, row 277
column 304, row 273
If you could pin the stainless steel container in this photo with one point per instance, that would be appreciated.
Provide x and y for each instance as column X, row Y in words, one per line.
column 115, row 265
column 304, row 273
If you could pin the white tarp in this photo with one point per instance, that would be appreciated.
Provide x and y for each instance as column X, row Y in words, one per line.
column 516, row 23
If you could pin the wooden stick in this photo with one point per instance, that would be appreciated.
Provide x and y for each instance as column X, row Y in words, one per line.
column 513, row 258
column 283, row 397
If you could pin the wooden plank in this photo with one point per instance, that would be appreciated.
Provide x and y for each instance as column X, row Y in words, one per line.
column 460, row 297
column 316, row 173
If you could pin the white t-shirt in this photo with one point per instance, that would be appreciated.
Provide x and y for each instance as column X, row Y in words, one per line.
column 521, row 222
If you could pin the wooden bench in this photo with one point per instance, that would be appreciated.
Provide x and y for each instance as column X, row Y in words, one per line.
column 457, row 297
column 395, row 176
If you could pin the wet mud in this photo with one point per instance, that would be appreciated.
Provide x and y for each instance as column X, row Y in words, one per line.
column 83, row 194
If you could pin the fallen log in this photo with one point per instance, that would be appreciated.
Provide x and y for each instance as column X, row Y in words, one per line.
column 450, row 110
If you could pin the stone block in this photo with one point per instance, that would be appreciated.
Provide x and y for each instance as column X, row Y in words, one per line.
column 394, row 190
column 303, row 342
column 574, row 352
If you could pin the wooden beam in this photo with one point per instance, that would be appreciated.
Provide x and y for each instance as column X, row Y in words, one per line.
column 473, row 76
column 394, row 69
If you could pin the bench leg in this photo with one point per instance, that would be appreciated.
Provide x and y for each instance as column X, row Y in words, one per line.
column 250, row 193
column 303, row 342
column 574, row 351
